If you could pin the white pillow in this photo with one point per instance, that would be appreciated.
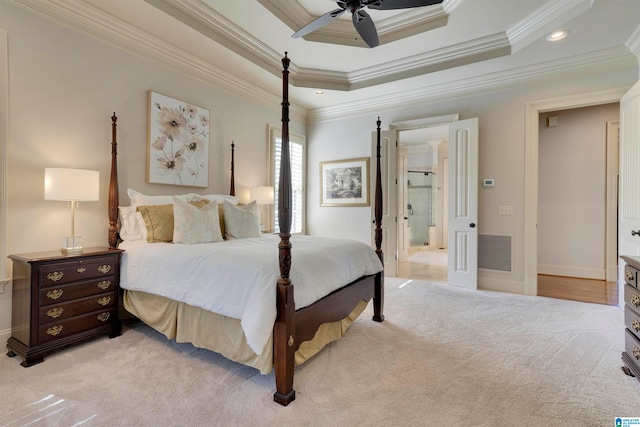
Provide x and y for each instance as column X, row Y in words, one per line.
column 139, row 199
column 241, row 222
column 192, row 225
column 129, row 229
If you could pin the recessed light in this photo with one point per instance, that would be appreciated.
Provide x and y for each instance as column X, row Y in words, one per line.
column 558, row 35
column 319, row 92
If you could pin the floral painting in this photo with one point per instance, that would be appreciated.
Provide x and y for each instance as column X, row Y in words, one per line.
column 178, row 142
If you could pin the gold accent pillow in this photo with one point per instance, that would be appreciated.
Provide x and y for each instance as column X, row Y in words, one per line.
column 158, row 220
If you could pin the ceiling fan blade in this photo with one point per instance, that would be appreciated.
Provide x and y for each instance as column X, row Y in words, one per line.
column 318, row 23
column 400, row 4
column 365, row 27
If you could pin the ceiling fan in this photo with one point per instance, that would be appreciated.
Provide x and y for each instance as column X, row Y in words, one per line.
column 361, row 19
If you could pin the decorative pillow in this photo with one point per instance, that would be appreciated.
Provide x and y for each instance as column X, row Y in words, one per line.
column 194, row 225
column 241, row 222
column 158, row 220
column 129, row 229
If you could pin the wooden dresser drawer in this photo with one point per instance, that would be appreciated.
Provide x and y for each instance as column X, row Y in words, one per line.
column 632, row 347
column 632, row 297
column 69, row 271
column 58, row 312
column 631, row 275
column 64, row 328
column 632, row 320
column 62, row 293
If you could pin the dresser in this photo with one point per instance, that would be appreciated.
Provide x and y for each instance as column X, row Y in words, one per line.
column 60, row 300
column 631, row 355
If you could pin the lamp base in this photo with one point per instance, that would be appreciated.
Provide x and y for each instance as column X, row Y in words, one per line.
column 71, row 245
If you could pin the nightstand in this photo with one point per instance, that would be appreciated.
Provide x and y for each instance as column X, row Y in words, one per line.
column 60, row 300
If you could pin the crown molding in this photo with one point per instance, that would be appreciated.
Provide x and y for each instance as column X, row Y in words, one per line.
column 92, row 21
column 606, row 60
column 633, row 42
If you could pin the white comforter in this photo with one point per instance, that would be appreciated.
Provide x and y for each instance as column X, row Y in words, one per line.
column 237, row 278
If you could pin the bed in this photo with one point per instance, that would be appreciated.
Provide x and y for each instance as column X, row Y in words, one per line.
column 262, row 323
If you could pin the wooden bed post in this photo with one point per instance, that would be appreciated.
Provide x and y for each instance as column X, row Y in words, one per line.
column 113, row 187
column 284, row 339
column 378, row 297
column 232, row 188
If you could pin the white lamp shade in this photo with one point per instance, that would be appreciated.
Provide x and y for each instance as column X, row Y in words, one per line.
column 262, row 195
column 71, row 184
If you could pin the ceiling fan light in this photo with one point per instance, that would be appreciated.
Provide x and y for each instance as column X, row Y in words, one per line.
column 558, row 35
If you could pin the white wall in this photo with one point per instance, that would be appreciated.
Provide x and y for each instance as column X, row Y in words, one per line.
column 571, row 191
column 63, row 88
column 502, row 157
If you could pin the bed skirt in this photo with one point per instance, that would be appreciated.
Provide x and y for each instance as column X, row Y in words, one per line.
column 224, row 335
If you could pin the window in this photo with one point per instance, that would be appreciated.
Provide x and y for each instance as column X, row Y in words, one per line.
column 297, row 150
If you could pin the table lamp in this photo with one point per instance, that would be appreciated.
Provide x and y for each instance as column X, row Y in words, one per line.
column 71, row 185
column 262, row 196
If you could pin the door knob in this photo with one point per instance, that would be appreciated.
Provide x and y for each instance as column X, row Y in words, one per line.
column 472, row 225
column 635, row 233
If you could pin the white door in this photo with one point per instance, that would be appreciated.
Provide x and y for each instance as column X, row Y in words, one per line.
column 463, row 204
column 388, row 167
column 404, row 233
column 629, row 224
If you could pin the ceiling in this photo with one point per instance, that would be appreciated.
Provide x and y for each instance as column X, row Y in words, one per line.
column 426, row 53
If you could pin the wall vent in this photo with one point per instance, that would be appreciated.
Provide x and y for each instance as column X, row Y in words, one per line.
column 494, row 252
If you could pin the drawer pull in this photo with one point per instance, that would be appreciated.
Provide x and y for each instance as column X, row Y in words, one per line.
column 54, row 276
column 103, row 317
column 635, row 325
column 55, row 294
column 629, row 275
column 104, row 284
column 104, row 269
column 55, row 312
column 81, row 270
column 635, row 300
column 636, row 352
column 107, row 300
column 55, row 330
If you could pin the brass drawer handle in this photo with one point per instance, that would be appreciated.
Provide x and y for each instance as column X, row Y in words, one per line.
column 55, row 294
column 104, row 269
column 54, row 276
column 103, row 317
column 629, row 275
column 55, row 312
column 104, row 284
column 81, row 270
column 636, row 352
column 55, row 330
column 635, row 325
column 107, row 300
column 635, row 300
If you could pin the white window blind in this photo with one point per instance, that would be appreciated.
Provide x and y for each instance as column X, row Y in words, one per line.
column 297, row 153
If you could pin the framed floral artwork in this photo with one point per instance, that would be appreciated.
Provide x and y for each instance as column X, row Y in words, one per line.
column 344, row 182
column 178, row 146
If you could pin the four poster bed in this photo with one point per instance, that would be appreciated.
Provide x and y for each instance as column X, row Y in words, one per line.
column 249, row 328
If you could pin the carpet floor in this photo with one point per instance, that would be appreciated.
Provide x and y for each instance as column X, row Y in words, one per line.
column 443, row 356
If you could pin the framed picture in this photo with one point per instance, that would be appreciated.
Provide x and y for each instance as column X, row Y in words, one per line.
column 344, row 183
column 178, row 145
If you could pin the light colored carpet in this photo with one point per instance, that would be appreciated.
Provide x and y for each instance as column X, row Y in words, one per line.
column 444, row 356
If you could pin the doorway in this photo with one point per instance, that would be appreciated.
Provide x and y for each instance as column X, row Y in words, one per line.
column 424, row 216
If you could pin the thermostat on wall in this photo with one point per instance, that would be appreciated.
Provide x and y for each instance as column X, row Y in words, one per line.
column 487, row 182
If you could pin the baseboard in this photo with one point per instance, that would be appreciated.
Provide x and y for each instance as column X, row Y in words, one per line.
column 500, row 285
column 571, row 271
column 4, row 336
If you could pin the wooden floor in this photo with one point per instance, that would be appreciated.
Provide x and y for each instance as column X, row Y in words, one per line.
column 576, row 289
